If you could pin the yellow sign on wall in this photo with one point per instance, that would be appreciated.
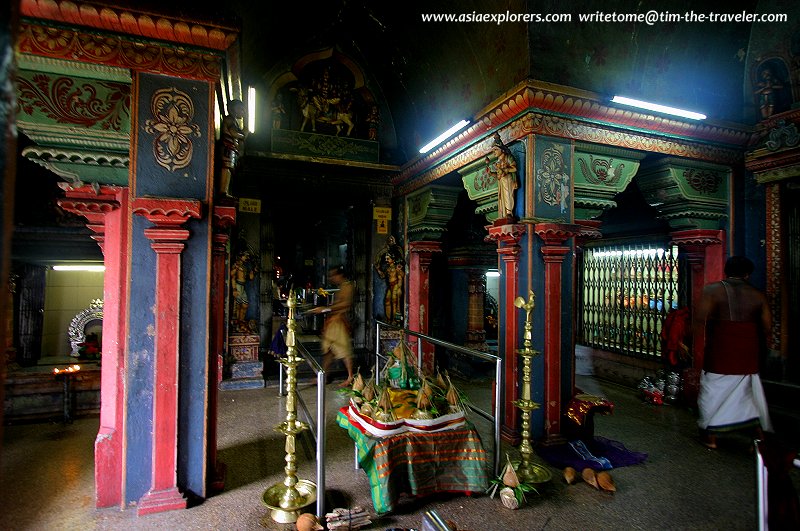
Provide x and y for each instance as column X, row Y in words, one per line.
column 383, row 226
column 381, row 213
column 252, row 206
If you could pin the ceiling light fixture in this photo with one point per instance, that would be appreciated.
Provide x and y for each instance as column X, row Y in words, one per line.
column 444, row 136
column 658, row 108
column 85, row 267
column 251, row 109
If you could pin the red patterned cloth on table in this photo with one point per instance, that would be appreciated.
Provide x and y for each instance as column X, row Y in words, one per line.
column 419, row 463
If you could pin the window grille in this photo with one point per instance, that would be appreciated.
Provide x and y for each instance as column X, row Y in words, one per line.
column 625, row 294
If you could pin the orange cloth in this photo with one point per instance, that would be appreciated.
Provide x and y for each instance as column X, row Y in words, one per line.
column 675, row 336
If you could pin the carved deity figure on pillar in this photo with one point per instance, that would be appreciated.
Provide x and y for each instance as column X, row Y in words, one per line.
column 278, row 111
column 504, row 170
column 232, row 137
column 243, row 272
column 767, row 92
column 390, row 268
column 373, row 119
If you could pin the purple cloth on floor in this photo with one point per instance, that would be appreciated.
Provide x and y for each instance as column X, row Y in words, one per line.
column 563, row 455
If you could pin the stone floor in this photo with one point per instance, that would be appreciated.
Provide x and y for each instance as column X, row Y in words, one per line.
column 46, row 477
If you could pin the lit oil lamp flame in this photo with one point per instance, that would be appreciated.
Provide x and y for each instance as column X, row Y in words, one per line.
column 70, row 369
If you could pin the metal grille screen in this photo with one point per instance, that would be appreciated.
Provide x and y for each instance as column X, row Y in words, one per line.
column 626, row 292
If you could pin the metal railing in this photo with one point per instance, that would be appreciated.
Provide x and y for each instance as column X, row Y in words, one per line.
column 493, row 418
column 317, row 428
column 625, row 294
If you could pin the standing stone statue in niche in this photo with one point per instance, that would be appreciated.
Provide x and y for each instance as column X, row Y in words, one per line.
column 504, row 171
column 278, row 110
column 373, row 119
column 390, row 268
column 243, row 275
column 232, row 137
column 767, row 90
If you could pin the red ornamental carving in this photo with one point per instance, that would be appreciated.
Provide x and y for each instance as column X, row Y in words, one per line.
column 132, row 21
column 578, row 117
column 67, row 103
column 112, row 50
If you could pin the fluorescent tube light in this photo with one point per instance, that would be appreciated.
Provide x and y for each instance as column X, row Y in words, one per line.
column 658, row 108
column 492, row 273
column 251, row 109
column 444, row 136
column 79, row 268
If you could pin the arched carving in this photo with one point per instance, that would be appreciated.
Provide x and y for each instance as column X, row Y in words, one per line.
column 77, row 328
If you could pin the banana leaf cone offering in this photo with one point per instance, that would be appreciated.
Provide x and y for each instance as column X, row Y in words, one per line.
column 358, row 388
column 509, row 475
column 424, row 401
column 369, row 393
column 440, row 381
column 453, row 398
column 358, row 382
column 383, row 412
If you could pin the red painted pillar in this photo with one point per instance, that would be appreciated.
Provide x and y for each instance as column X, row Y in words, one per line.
column 224, row 218
column 421, row 255
column 106, row 209
column 705, row 251
column 508, row 250
column 553, row 252
column 167, row 240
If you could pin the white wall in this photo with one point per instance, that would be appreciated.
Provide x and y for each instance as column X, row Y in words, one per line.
column 66, row 294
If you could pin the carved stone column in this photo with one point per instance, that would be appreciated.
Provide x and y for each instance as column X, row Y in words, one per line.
column 224, row 219
column 106, row 209
column 420, row 257
column 476, row 289
column 508, row 250
column 167, row 240
column 554, row 236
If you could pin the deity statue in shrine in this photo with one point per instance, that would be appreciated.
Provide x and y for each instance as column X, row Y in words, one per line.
column 232, row 137
column 278, row 111
column 328, row 101
column 767, row 91
column 373, row 120
column 243, row 275
column 390, row 268
column 504, row 170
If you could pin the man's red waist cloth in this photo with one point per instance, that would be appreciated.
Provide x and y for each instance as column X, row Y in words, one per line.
column 732, row 347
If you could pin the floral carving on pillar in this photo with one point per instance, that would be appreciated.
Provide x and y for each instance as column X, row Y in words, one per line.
column 173, row 115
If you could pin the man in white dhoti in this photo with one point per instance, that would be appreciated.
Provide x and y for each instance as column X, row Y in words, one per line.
column 736, row 317
column 337, row 341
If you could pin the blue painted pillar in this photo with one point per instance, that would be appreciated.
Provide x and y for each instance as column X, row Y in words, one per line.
column 172, row 190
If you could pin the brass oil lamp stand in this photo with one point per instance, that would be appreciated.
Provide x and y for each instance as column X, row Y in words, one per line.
column 287, row 498
column 528, row 472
